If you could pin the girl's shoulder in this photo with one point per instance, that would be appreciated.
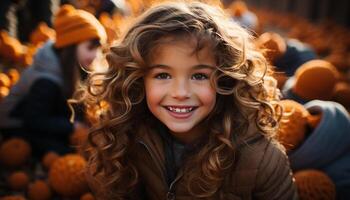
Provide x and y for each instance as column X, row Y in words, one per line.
column 252, row 151
column 262, row 168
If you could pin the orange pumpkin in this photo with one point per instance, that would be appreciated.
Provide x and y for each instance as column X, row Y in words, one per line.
column 314, row 184
column 5, row 80
column 39, row 190
column 66, row 175
column 10, row 47
column 87, row 196
column 15, row 152
column 41, row 34
column 14, row 75
column 4, row 91
column 49, row 158
column 18, row 180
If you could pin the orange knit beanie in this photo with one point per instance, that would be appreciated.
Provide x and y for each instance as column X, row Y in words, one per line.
column 315, row 79
column 73, row 26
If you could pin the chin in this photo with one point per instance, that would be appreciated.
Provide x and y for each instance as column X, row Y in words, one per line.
column 179, row 128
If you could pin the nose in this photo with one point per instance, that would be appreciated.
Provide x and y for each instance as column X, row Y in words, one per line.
column 181, row 89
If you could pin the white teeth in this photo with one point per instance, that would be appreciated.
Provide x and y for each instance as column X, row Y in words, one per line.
column 180, row 110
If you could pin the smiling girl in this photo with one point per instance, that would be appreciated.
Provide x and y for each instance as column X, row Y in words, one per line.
column 192, row 112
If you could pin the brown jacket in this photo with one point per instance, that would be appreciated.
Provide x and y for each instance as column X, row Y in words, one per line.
column 262, row 172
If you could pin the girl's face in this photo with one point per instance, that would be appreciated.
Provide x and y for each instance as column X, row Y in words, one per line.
column 86, row 53
column 178, row 89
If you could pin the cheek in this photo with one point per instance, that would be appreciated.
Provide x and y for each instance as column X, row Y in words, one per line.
column 207, row 96
column 86, row 56
column 154, row 94
column 81, row 55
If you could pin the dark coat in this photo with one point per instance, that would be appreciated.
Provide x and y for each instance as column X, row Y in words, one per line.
column 262, row 171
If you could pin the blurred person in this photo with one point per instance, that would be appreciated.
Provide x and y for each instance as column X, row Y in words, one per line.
column 36, row 107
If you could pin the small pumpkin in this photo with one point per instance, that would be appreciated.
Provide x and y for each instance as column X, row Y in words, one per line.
column 66, row 175
column 39, row 190
column 314, row 184
column 15, row 152
column 49, row 158
column 87, row 196
column 18, row 180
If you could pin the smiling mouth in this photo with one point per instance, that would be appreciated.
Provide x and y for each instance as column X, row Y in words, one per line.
column 181, row 109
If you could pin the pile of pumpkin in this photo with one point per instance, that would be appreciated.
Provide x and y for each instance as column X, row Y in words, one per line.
column 50, row 177
column 315, row 79
column 7, row 80
column 330, row 41
column 12, row 51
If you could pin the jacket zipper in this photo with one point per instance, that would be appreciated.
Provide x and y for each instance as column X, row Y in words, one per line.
column 171, row 193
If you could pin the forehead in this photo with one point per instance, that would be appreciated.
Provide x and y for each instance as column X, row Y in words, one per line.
column 181, row 52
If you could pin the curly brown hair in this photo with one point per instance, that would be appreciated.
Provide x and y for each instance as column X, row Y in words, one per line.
column 246, row 95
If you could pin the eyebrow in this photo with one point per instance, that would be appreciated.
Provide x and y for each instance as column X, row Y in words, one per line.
column 200, row 66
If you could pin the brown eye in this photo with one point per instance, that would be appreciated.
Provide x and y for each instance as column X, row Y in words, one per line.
column 199, row 76
column 162, row 76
